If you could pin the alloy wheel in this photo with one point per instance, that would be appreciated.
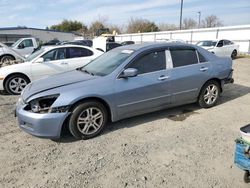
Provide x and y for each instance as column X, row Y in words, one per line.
column 16, row 85
column 211, row 94
column 90, row 120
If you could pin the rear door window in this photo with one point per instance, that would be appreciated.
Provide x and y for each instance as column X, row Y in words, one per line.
column 183, row 57
column 151, row 62
column 75, row 52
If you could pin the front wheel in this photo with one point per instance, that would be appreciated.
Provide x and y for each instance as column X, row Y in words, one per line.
column 6, row 60
column 88, row 120
column 15, row 84
column 234, row 54
column 209, row 94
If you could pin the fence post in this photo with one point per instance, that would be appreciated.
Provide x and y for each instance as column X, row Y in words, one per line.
column 217, row 33
column 154, row 37
column 191, row 37
column 141, row 38
column 249, row 47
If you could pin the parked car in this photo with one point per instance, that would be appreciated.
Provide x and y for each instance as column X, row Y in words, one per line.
column 19, row 50
column 25, row 46
column 220, row 47
column 124, row 82
column 105, row 43
column 81, row 42
column 45, row 62
column 127, row 43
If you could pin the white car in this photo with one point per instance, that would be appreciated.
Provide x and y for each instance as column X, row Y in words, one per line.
column 223, row 48
column 45, row 62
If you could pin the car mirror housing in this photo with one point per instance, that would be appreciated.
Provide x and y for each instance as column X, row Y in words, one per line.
column 39, row 60
column 129, row 72
column 21, row 46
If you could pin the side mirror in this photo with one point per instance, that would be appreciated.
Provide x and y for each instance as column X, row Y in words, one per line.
column 129, row 72
column 39, row 60
column 21, row 46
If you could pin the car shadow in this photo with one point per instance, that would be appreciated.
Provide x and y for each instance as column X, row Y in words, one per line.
column 231, row 92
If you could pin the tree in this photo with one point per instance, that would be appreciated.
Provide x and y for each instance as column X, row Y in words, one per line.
column 115, row 28
column 189, row 23
column 68, row 26
column 141, row 25
column 95, row 26
column 211, row 21
column 167, row 27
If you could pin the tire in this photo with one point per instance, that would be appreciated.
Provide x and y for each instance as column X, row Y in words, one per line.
column 6, row 59
column 15, row 84
column 83, row 124
column 247, row 177
column 234, row 54
column 209, row 94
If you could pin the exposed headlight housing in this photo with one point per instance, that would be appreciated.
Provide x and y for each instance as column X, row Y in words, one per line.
column 43, row 105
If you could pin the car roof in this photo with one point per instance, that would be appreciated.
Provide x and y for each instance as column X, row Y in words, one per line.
column 63, row 46
column 150, row 45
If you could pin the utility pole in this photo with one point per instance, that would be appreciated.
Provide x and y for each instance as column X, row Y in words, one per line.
column 181, row 14
column 199, row 22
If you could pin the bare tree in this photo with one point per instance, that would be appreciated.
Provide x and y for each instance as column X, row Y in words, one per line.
column 189, row 23
column 211, row 21
column 115, row 29
column 139, row 25
column 94, row 27
column 167, row 27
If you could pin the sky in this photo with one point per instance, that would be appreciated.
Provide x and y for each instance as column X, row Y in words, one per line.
column 42, row 13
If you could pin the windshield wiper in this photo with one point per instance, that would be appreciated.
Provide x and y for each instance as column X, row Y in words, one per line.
column 84, row 70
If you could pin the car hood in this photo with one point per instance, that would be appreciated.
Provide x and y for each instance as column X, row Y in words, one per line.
column 55, row 81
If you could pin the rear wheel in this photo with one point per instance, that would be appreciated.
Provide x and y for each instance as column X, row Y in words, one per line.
column 16, row 83
column 88, row 120
column 234, row 54
column 210, row 94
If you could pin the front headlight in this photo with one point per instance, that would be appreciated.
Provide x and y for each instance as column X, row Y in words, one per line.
column 43, row 104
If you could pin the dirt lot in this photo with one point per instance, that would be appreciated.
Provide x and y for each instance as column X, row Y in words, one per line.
column 181, row 147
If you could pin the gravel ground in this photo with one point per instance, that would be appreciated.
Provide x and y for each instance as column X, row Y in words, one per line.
column 180, row 147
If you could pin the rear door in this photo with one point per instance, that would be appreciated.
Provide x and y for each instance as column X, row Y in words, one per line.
column 190, row 71
column 54, row 62
column 78, row 57
column 229, row 47
column 148, row 90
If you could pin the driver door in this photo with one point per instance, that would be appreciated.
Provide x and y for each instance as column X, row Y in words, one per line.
column 220, row 49
column 54, row 62
column 147, row 91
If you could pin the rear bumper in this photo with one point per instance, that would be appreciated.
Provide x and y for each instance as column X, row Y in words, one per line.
column 40, row 125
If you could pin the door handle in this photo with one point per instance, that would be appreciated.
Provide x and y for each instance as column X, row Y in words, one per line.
column 203, row 69
column 161, row 78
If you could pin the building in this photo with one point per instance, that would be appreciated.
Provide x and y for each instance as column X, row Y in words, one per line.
column 12, row 34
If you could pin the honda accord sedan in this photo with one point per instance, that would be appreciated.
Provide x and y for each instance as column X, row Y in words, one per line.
column 124, row 82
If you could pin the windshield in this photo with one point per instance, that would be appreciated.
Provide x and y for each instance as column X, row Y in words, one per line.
column 13, row 45
column 107, row 63
column 207, row 43
column 34, row 55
